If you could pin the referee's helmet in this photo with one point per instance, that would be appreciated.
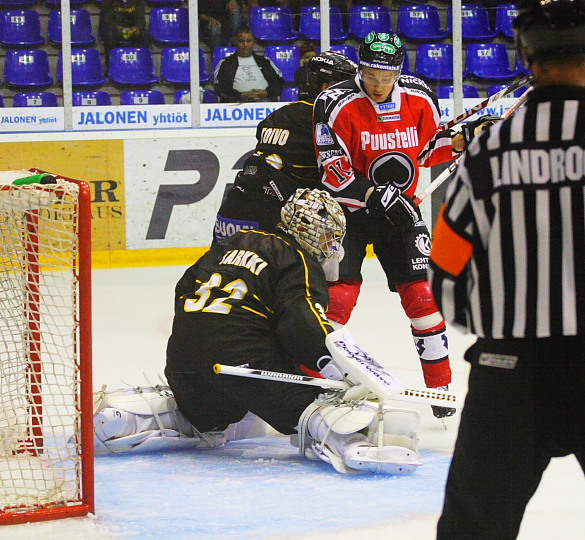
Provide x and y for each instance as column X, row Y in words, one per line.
column 550, row 28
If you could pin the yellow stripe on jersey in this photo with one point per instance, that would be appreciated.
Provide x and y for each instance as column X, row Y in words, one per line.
column 254, row 311
column 449, row 251
column 321, row 317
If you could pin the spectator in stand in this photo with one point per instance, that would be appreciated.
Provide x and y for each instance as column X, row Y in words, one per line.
column 308, row 51
column 220, row 20
column 245, row 75
column 123, row 23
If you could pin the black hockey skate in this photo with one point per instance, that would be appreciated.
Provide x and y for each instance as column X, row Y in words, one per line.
column 442, row 412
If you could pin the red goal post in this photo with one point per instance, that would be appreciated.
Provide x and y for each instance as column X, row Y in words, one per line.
column 46, row 408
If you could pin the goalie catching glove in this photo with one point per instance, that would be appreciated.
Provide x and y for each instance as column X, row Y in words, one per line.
column 398, row 208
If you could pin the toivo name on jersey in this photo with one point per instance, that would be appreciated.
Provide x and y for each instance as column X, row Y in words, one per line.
column 390, row 140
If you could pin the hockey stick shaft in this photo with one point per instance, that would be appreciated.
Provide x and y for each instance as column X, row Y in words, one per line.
column 408, row 395
column 488, row 101
column 436, row 183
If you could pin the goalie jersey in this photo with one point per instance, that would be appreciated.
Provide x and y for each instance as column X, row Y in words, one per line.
column 249, row 299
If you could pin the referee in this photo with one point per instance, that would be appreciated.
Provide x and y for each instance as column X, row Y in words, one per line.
column 508, row 264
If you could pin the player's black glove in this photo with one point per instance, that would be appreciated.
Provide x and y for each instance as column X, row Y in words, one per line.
column 475, row 127
column 399, row 209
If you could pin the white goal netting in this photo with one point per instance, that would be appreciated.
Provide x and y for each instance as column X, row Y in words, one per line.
column 40, row 452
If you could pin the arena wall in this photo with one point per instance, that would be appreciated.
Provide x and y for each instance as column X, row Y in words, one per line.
column 155, row 191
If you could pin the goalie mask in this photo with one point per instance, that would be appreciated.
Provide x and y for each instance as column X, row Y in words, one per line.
column 549, row 28
column 315, row 220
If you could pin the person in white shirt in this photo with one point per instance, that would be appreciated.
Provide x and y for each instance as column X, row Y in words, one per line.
column 247, row 76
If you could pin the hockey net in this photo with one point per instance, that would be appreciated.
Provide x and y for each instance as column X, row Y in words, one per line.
column 46, row 439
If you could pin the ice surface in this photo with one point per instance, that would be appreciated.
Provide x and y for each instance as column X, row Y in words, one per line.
column 261, row 489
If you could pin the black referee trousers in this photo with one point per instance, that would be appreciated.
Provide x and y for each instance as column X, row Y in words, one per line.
column 525, row 405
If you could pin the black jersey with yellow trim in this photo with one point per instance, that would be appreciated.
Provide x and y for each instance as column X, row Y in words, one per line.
column 285, row 139
column 249, row 291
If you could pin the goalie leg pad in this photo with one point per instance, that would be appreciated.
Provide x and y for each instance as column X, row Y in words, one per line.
column 144, row 419
column 358, row 438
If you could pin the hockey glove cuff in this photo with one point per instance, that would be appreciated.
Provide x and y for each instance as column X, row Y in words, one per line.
column 475, row 127
column 399, row 208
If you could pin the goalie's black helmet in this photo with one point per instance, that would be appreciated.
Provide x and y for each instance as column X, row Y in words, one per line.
column 547, row 28
column 327, row 68
column 382, row 51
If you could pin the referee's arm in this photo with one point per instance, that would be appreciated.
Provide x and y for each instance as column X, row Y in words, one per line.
column 451, row 253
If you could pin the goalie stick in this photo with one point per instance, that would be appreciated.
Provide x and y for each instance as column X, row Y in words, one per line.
column 436, row 183
column 408, row 395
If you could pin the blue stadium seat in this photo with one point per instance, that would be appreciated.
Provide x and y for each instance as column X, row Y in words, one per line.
column 488, row 61
column 218, row 54
column 179, row 94
column 475, row 23
column 169, row 25
column 290, row 93
column 273, row 23
column 364, row 19
column 446, row 91
column 86, row 67
column 27, row 68
column 420, row 22
column 505, row 14
column 20, row 28
column 286, row 57
column 35, row 99
column 1, row 101
column 310, row 23
column 81, row 29
column 209, row 96
column 175, row 66
column 132, row 66
column 91, row 98
column 495, row 88
column 142, row 97
column 347, row 50
column 406, row 66
column 434, row 61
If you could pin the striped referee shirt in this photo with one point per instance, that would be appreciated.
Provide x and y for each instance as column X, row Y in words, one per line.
column 508, row 254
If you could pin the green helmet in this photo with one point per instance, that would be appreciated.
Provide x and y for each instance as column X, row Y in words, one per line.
column 382, row 51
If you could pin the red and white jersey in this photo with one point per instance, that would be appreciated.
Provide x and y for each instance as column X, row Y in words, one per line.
column 360, row 143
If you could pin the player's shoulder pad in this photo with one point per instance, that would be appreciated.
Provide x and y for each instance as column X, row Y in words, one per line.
column 336, row 93
column 415, row 86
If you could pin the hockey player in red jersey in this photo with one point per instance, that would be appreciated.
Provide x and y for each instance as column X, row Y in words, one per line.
column 372, row 133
